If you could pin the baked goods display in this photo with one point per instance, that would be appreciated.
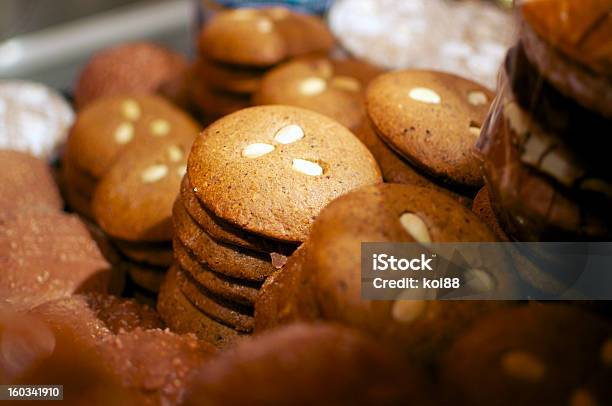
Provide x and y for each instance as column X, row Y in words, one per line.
column 165, row 262
column 237, row 47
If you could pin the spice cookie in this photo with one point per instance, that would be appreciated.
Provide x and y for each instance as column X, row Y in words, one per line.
column 286, row 296
column 231, row 289
column 229, row 78
column 433, row 119
column 107, row 127
column 224, row 232
column 76, row 180
column 26, row 181
column 33, row 118
column 133, row 201
column 399, row 213
column 135, row 68
column 483, row 209
column 183, row 317
column 569, row 43
column 317, row 364
column 232, row 314
column 331, row 87
column 145, row 276
column 291, row 162
column 156, row 254
column 396, row 169
column 523, row 355
column 48, row 255
column 219, row 257
column 262, row 37
column 214, row 103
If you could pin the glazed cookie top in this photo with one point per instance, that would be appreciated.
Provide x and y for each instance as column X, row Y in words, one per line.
column 262, row 37
column 133, row 201
column 33, row 118
column 526, row 356
column 271, row 169
column 581, row 30
column 105, row 128
column 433, row 119
column 334, row 88
column 134, row 68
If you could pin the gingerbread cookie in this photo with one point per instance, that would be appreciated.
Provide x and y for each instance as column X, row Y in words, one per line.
column 135, row 68
column 433, row 119
column 523, row 355
column 229, row 78
column 291, row 162
column 262, row 37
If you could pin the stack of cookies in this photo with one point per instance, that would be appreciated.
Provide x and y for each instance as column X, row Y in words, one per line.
column 423, row 129
column 333, row 87
column 545, row 180
column 256, row 180
column 237, row 47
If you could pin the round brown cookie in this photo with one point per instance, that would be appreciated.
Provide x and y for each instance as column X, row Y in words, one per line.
column 290, row 162
column 433, row 119
column 224, row 232
column 156, row 364
column 262, row 37
column 219, row 257
column 147, row 253
column 133, row 201
column 569, row 42
column 76, row 180
column 79, row 203
column 523, row 355
column 230, row 289
column 395, row 169
column 217, row 103
column 317, row 364
column 145, row 276
column 26, row 181
column 183, row 317
column 107, row 127
column 483, row 209
column 92, row 317
column 229, row 78
column 231, row 314
column 134, row 68
column 48, row 255
column 286, row 296
column 399, row 213
column 331, row 87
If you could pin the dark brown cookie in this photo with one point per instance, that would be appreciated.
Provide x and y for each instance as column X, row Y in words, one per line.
column 135, row 68
column 183, row 317
column 79, row 203
column 48, row 255
column 290, row 162
column 234, row 290
column 107, row 127
column 133, row 201
column 219, row 257
column 159, row 254
column 147, row 277
column 262, row 37
column 286, row 296
column 523, row 355
column 229, row 78
column 226, row 312
column 483, row 209
column 224, row 232
column 76, row 180
column 397, row 213
column 26, row 181
column 213, row 103
column 331, row 87
column 433, row 119
column 315, row 364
